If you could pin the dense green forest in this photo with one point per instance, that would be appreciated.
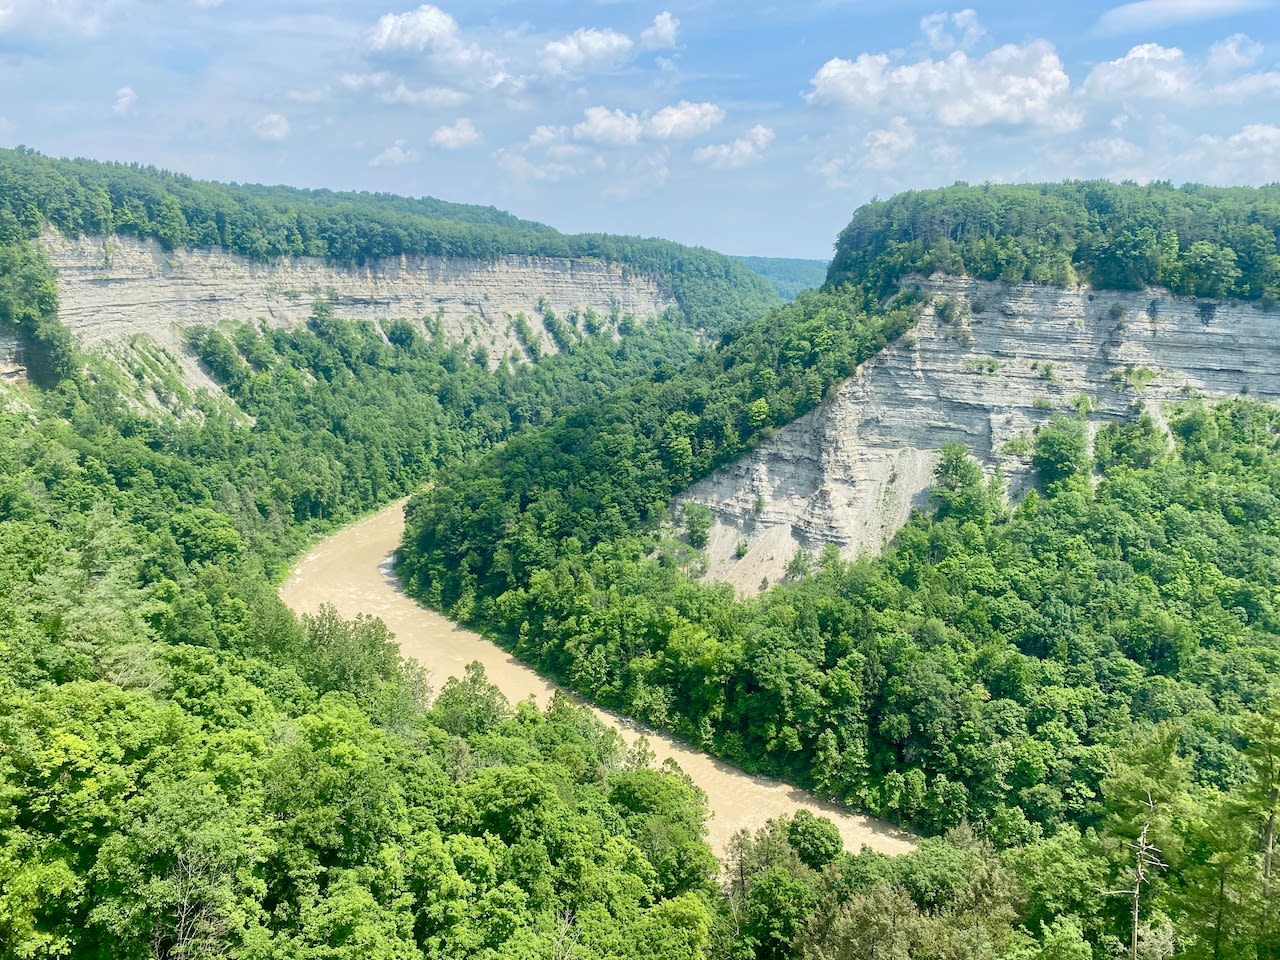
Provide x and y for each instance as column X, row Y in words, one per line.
column 83, row 196
column 1053, row 677
column 1205, row 241
column 790, row 277
column 187, row 770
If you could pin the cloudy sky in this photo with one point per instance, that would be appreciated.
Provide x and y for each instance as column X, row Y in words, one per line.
column 750, row 127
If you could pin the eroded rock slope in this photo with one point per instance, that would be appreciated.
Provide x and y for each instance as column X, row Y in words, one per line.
column 986, row 365
column 112, row 289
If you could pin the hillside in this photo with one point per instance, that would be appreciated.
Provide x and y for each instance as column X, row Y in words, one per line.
column 788, row 276
column 1060, row 675
column 986, row 365
column 140, row 250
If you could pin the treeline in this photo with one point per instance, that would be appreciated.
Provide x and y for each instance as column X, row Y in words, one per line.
column 610, row 467
column 1197, row 240
column 86, row 197
column 789, row 276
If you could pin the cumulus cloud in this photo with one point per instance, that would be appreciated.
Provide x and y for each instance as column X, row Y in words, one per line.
column 125, row 99
column 1013, row 84
column 429, row 31
column 1232, row 55
column 456, row 135
column 1150, row 71
column 427, row 97
column 1110, row 151
column 887, row 147
column 1152, row 14
column 684, row 120
column 619, row 128
column 662, row 35
column 394, row 156
column 521, row 168
column 1250, row 156
column 587, row 49
column 742, row 151
column 601, row 125
column 952, row 31
column 273, row 126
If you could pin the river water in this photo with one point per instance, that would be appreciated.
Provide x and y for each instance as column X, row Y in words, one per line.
column 352, row 571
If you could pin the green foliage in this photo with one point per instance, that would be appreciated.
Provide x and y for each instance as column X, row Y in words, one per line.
column 83, row 197
column 1061, row 449
column 1204, row 241
column 788, row 277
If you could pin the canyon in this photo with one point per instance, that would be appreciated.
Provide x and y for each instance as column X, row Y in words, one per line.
column 985, row 366
column 115, row 290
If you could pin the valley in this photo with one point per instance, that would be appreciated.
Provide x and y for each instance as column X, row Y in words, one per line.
column 352, row 571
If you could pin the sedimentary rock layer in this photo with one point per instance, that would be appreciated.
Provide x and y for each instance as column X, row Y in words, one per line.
column 114, row 288
column 986, row 364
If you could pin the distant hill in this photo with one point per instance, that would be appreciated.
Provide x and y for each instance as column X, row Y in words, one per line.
column 267, row 222
column 788, row 275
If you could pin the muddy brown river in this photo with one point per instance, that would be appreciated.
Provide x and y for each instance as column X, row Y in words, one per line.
column 352, row 571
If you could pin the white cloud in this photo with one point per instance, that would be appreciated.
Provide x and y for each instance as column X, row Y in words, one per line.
column 1146, row 71
column 586, row 49
column 427, row 97
column 523, row 169
column 938, row 30
column 1149, row 15
column 618, row 128
column 739, row 153
column 125, row 99
column 545, row 135
column 1110, row 151
column 453, row 136
column 1150, row 71
column 428, row 30
column 1012, row 84
column 1250, row 156
column 419, row 29
column 684, row 120
column 1233, row 54
column 662, row 35
column 639, row 175
column 394, row 156
column 80, row 16
column 273, row 126
column 887, row 147
column 601, row 125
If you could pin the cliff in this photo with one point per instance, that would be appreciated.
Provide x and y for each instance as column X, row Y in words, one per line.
column 985, row 365
column 112, row 289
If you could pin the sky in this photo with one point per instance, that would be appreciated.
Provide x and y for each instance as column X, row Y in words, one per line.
column 747, row 127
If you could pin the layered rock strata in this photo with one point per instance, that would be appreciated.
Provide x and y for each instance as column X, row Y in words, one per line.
column 986, row 365
column 112, row 289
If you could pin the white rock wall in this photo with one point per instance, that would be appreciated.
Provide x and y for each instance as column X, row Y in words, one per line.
column 849, row 472
column 113, row 288
column 10, row 352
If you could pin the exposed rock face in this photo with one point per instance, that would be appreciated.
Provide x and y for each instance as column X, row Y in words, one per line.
column 985, row 366
column 11, row 365
column 113, row 288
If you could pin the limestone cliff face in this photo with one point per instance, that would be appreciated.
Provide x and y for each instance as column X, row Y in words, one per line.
column 985, row 365
column 11, row 367
column 113, row 288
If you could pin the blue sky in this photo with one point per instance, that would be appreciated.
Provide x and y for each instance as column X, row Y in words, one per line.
column 749, row 127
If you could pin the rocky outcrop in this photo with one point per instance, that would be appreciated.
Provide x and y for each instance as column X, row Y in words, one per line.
column 114, row 288
column 12, row 367
column 985, row 365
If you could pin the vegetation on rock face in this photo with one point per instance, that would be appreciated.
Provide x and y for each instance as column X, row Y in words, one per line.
column 1054, row 678
column 84, row 197
column 1203, row 241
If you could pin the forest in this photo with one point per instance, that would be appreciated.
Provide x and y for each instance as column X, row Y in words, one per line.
column 1046, row 691
column 88, row 197
column 1059, row 677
